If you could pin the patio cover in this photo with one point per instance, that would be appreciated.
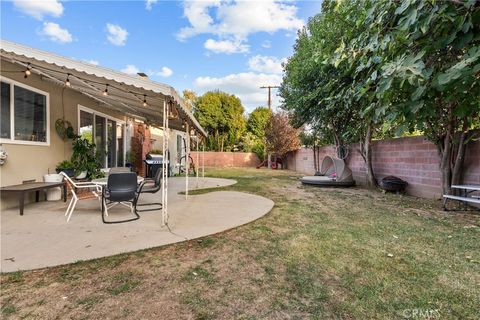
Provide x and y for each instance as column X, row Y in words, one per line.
column 126, row 93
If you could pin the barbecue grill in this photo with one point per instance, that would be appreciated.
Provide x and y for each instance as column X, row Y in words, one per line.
column 153, row 162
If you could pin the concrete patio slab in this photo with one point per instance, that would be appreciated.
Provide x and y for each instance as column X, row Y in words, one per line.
column 43, row 238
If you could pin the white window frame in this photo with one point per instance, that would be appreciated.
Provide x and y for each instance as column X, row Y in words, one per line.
column 107, row 117
column 12, row 140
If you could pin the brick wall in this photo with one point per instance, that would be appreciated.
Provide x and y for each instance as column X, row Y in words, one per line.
column 413, row 159
column 227, row 159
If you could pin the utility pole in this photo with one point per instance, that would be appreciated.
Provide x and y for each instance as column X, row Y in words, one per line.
column 269, row 161
column 269, row 94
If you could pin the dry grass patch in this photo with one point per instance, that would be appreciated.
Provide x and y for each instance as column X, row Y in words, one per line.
column 319, row 254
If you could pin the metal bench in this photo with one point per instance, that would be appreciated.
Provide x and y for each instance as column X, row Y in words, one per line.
column 465, row 198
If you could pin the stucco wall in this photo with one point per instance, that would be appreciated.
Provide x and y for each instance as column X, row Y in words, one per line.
column 27, row 162
column 413, row 159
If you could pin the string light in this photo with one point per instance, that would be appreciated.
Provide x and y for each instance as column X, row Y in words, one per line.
column 67, row 82
column 28, row 72
column 144, row 100
column 105, row 92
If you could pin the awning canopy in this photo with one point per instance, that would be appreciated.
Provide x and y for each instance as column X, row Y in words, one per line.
column 125, row 93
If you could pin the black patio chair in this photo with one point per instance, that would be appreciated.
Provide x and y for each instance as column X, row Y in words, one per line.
column 121, row 188
column 150, row 186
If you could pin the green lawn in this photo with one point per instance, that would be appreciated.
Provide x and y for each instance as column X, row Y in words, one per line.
column 319, row 254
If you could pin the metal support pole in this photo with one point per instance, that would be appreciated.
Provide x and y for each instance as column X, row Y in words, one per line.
column 197, row 163
column 166, row 160
column 203, row 160
column 187, row 158
column 164, row 149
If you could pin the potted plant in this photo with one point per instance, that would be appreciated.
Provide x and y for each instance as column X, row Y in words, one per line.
column 66, row 166
column 130, row 157
column 84, row 159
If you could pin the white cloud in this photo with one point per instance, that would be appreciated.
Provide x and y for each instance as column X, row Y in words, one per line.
column 266, row 44
column 238, row 18
column 94, row 62
column 149, row 4
column 165, row 72
column 130, row 69
column 226, row 46
column 116, row 34
column 266, row 64
column 245, row 85
column 56, row 33
column 38, row 9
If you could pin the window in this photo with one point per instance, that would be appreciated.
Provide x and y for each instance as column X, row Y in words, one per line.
column 5, row 105
column 24, row 114
column 107, row 133
column 86, row 126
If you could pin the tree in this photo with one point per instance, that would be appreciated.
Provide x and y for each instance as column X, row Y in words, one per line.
column 257, row 121
column 362, row 66
column 430, row 71
column 221, row 115
column 255, row 137
column 281, row 136
column 319, row 87
column 190, row 98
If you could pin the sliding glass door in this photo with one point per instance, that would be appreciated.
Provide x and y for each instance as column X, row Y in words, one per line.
column 108, row 135
column 100, row 137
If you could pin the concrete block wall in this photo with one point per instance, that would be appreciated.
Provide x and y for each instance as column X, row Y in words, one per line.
column 226, row 159
column 413, row 159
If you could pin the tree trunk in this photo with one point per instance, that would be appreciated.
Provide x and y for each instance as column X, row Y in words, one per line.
column 445, row 167
column 459, row 158
column 338, row 143
column 315, row 166
column 445, row 153
column 371, row 181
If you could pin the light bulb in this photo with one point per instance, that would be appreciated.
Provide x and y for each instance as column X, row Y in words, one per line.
column 105, row 92
column 67, row 82
column 27, row 71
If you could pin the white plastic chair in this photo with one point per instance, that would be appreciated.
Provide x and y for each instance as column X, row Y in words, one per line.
column 75, row 188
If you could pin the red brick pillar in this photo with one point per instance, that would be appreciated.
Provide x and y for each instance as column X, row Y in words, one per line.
column 141, row 146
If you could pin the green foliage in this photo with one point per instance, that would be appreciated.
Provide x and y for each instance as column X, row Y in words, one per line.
column 257, row 121
column 190, row 98
column 366, row 68
column 65, row 164
column 221, row 115
column 85, row 158
column 256, row 124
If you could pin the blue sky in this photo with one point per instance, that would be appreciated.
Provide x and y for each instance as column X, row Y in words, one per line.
column 203, row 45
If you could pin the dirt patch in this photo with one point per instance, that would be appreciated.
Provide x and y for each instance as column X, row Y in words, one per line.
column 320, row 253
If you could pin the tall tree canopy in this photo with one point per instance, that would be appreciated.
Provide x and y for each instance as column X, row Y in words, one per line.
column 221, row 115
column 412, row 64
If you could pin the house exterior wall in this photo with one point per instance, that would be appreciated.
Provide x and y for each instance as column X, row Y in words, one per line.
column 413, row 159
column 27, row 162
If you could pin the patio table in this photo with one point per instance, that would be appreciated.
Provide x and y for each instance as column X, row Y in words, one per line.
column 21, row 189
